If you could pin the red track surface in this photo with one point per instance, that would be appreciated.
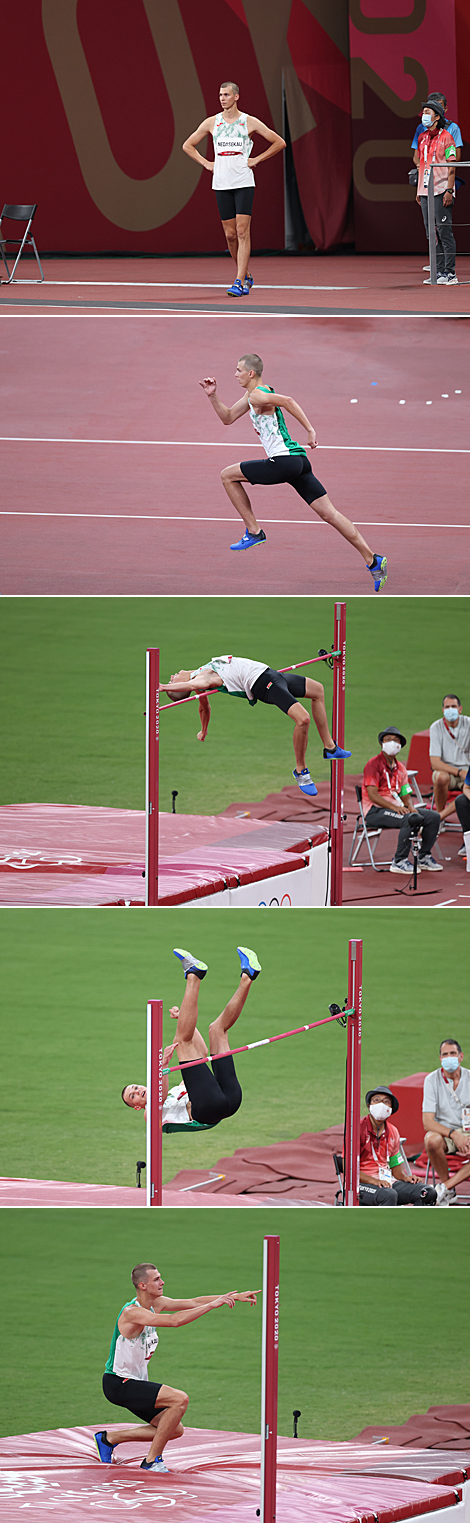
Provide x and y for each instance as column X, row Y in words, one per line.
column 55, row 1192
column 217, row 1475
column 145, row 512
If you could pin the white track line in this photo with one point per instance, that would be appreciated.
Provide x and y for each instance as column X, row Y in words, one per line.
column 203, row 519
column 383, row 449
column 187, row 285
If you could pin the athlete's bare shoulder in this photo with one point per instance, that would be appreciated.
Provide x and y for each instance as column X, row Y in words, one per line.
column 255, row 125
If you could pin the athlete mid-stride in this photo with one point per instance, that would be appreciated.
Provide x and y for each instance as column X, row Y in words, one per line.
column 287, row 461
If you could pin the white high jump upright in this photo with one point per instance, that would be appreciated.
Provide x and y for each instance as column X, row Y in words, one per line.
column 269, row 1378
column 154, row 1101
column 152, row 722
column 353, row 1077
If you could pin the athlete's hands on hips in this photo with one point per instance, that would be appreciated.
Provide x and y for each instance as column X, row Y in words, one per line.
column 311, row 439
column 209, row 385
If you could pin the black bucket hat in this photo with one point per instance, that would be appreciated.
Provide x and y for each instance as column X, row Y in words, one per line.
column 382, row 1089
column 435, row 102
column 391, row 729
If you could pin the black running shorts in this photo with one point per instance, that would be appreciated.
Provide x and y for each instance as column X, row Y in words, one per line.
column 235, row 203
column 295, row 469
column 279, row 688
column 213, row 1096
column 137, row 1396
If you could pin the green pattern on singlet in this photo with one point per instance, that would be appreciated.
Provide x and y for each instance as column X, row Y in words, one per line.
column 292, row 447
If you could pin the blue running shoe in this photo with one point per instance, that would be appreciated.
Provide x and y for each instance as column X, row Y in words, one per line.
column 249, row 962
column 336, row 755
column 236, row 289
column 247, row 540
column 105, row 1450
column 378, row 570
column 190, row 963
column 305, row 782
column 158, row 1464
column 247, row 284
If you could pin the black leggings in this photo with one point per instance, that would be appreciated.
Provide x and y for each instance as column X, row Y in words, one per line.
column 462, row 805
column 214, row 1096
column 401, row 1193
column 294, row 469
column 277, row 688
column 137, row 1396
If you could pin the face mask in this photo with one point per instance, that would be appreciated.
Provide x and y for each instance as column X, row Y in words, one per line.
column 380, row 1112
column 391, row 747
column 449, row 1065
column 450, row 714
column 426, row 118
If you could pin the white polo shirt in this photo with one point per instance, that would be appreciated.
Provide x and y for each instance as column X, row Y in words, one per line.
column 445, row 1102
column 452, row 745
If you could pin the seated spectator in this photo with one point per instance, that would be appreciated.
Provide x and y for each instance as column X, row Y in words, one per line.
column 387, row 805
column 384, row 1179
column 446, row 1118
column 449, row 752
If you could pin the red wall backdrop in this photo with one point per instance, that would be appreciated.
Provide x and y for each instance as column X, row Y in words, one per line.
column 399, row 50
column 98, row 95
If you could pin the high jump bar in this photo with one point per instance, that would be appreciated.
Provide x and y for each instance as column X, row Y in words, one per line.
column 265, row 1041
column 152, row 711
column 212, row 691
column 353, row 1014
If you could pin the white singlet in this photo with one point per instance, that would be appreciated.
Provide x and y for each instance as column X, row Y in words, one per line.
column 232, row 149
column 175, row 1106
column 129, row 1357
column 273, row 432
column 238, row 674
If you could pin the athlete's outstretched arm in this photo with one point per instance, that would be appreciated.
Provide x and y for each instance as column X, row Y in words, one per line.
column 276, row 142
column 167, row 1304
column 204, row 715
column 196, row 684
column 226, row 414
column 135, row 1318
column 264, row 402
column 201, row 132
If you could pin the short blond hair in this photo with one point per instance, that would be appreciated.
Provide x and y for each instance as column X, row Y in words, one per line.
column 141, row 1273
column 253, row 362
column 227, row 82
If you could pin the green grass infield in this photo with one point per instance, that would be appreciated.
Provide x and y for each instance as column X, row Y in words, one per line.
column 374, row 1320
column 75, row 987
column 73, row 691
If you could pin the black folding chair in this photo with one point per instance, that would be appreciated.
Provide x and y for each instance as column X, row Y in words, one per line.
column 19, row 214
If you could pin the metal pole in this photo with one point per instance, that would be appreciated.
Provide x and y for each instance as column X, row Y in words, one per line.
column 154, row 1101
column 269, row 1378
column 432, row 229
column 353, row 1077
column 151, row 776
column 337, row 768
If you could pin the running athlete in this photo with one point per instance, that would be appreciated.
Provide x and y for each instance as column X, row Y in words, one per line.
column 257, row 682
column 232, row 174
column 125, row 1380
column 205, row 1098
column 287, row 461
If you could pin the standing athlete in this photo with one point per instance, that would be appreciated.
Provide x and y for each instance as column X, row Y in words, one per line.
column 287, row 461
column 232, row 174
column 262, row 684
column 125, row 1380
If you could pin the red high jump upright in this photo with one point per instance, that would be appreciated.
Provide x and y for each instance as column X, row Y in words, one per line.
column 353, row 1076
column 337, row 769
column 152, row 711
column 154, row 1101
column 269, row 1378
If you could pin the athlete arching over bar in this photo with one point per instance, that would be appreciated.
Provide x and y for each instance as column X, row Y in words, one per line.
column 205, row 1097
column 240, row 676
column 287, row 461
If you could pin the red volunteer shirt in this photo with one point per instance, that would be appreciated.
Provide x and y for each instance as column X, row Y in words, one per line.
column 385, row 773
column 375, row 1152
column 435, row 148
